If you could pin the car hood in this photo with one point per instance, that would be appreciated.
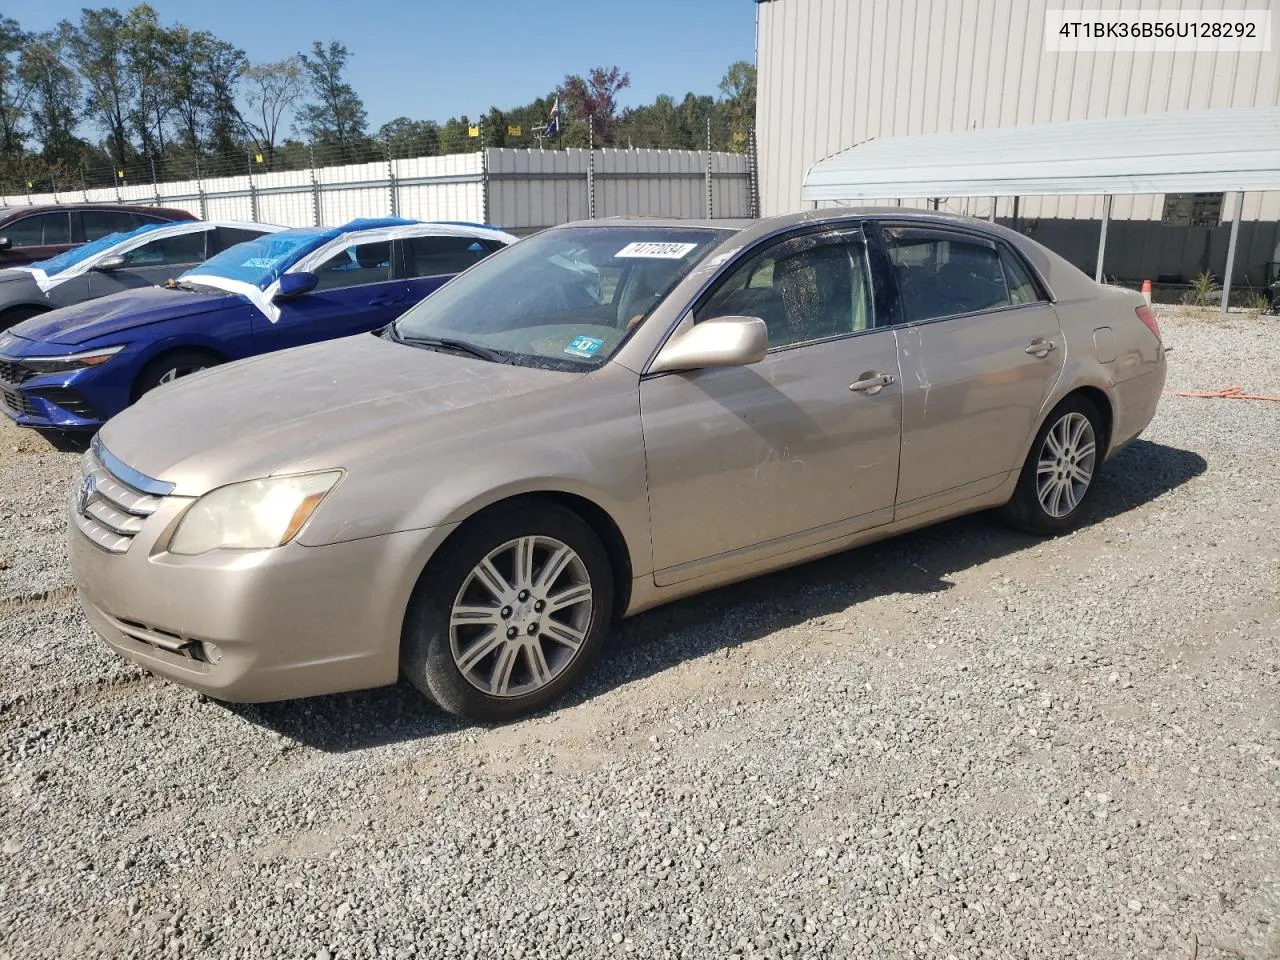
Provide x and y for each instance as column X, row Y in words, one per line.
column 117, row 313
column 10, row 274
column 315, row 407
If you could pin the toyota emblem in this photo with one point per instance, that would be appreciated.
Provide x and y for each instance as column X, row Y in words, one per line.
column 86, row 492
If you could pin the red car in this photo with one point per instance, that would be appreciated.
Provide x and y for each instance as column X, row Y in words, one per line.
column 28, row 234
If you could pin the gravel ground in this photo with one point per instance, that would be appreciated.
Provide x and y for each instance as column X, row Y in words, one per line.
column 960, row 743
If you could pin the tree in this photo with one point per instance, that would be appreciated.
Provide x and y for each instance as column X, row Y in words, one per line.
column 594, row 99
column 203, row 71
column 98, row 49
column 338, row 115
column 55, row 90
column 15, row 90
column 739, row 90
column 148, row 54
column 410, row 138
column 271, row 91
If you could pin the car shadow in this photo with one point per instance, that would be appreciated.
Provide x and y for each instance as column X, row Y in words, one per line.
column 919, row 562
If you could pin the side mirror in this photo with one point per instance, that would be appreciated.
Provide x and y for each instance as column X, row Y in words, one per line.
column 5, row 243
column 108, row 264
column 295, row 285
column 722, row 342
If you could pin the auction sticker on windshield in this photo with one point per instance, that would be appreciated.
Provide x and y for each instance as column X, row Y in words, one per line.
column 584, row 346
column 654, row 249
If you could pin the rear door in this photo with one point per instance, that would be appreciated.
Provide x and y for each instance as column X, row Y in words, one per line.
column 151, row 264
column 430, row 261
column 357, row 293
column 980, row 349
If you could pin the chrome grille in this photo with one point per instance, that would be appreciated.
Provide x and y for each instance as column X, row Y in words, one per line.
column 110, row 509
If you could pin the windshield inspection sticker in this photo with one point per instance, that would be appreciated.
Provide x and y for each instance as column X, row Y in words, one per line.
column 659, row 251
column 584, row 346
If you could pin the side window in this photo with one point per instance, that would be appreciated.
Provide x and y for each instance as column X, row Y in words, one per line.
column 39, row 229
column 1022, row 288
column 99, row 223
column 358, row 264
column 944, row 276
column 433, row 256
column 230, row 236
column 810, row 288
column 185, row 248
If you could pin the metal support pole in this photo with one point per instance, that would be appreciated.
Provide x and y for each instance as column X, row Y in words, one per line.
column 991, row 218
column 711, row 212
column 84, row 187
column 484, row 176
column 204, row 210
column 1016, row 222
column 591, row 168
column 155, row 187
column 1231, row 249
column 753, row 177
column 315, row 186
column 1102, row 237
column 253, row 192
column 393, row 193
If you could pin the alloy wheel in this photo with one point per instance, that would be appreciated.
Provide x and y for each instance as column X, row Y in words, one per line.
column 521, row 616
column 173, row 373
column 1066, row 463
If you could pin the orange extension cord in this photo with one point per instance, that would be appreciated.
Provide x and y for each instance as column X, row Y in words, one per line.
column 1226, row 393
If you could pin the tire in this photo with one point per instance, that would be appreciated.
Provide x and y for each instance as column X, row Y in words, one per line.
column 504, row 640
column 11, row 318
column 1065, row 492
column 169, row 367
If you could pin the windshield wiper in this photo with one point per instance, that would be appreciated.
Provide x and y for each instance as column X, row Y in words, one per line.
column 444, row 343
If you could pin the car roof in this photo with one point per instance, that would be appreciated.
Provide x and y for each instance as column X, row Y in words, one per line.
column 24, row 209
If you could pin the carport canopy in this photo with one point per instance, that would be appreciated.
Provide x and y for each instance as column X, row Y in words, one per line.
column 1198, row 151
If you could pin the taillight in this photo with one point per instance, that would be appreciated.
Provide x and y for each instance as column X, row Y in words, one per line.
column 1148, row 316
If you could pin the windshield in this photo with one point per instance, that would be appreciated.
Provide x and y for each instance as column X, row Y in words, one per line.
column 564, row 298
column 69, row 258
column 260, row 262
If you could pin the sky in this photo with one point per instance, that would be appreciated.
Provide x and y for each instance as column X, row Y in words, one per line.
column 433, row 59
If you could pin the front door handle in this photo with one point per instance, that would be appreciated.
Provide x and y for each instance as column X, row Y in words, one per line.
column 1040, row 347
column 385, row 301
column 871, row 384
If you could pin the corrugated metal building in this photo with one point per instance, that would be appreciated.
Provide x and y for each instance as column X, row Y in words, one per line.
column 833, row 73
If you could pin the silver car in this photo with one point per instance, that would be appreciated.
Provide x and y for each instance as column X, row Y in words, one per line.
column 144, row 257
column 601, row 418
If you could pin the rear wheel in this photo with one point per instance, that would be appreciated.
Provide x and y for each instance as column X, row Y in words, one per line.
column 169, row 367
column 1060, row 472
column 510, row 613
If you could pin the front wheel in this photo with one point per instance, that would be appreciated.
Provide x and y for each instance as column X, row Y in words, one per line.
column 169, row 367
column 510, row 613
column 1060, row 472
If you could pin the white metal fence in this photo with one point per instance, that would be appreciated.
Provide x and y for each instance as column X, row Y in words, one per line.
column 519, row 190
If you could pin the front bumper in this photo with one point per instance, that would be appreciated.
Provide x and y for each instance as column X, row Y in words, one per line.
column 290, row 622
column 52, row 409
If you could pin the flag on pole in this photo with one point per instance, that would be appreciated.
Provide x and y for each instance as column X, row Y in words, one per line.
column 553, row 124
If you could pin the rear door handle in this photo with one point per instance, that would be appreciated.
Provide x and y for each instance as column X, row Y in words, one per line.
column 872, row 384
column 1040, row 347
column 385, row 301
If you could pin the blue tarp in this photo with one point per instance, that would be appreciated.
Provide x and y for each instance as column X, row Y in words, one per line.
column 69, row 258
column 260, row 262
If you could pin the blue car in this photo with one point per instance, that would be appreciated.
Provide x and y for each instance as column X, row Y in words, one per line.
column 67, row 371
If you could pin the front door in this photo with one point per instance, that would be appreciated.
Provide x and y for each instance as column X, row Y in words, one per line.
column 981, row 349
column 152, row 263
column 802, row 447
column 356, row 294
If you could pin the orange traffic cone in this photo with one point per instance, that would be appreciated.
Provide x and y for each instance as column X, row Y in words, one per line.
column 1146, row 291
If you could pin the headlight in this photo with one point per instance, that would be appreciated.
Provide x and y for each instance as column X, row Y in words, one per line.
column 73, row 361
column 252, row 515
